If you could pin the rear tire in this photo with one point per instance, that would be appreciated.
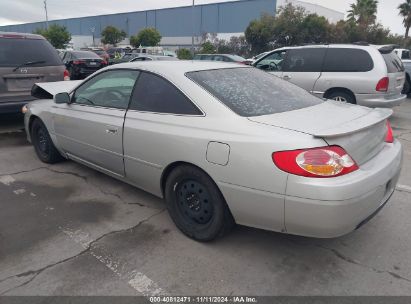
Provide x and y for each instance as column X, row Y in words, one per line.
column 43, row 145
column 196, row 205
column 342, row 96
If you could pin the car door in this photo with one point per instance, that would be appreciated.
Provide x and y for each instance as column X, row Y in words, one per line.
column 158, row 117
column 303, row 66
column 273, row 63
column 90, row 128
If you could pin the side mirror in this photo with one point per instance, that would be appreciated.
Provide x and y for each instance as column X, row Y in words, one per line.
column 62, row 98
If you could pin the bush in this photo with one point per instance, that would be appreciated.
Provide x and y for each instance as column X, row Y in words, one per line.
column 184, row 54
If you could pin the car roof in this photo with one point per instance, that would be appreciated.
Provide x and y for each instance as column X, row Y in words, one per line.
column 178, row 66
column 16, row 35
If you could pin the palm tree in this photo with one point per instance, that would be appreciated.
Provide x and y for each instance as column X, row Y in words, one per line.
column 405, row 12
column 364, row 12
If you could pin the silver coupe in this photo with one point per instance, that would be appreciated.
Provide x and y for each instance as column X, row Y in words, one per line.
column 223, row 144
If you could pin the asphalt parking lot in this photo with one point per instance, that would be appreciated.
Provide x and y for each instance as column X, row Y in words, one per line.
column 68, row 230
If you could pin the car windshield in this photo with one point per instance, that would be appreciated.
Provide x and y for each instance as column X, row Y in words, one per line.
column 17, row 52
column 251, row 92
column 85, row 55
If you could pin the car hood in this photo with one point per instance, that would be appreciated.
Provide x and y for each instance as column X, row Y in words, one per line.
column 47, row 90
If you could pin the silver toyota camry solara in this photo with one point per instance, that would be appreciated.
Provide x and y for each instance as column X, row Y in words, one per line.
column 223, row 144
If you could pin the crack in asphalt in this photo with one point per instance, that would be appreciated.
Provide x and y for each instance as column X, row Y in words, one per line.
column 352, row 261
column 83, row 177
column 347, row 259
column 37, row 272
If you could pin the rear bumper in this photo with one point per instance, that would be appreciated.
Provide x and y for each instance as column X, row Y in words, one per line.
column 337, row 206
column 380, row 100
column 13, row 106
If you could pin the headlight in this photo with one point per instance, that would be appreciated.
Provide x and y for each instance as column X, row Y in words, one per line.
column 24, row 109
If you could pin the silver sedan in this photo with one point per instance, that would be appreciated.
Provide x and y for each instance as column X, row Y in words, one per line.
column 223, row 144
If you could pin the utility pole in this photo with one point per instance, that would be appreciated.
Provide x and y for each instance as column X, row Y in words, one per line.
column 192, row 36
column 47, row 17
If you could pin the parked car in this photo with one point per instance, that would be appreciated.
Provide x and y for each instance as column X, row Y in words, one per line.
column 251, row 60
column 24, row 60
column 153, row 57
column 360, row 74
column 101, row 53
column 224, row 143
column 221, row 57
column 405, row 56
column 120, row 51
column 81, row 64
column 124, row 58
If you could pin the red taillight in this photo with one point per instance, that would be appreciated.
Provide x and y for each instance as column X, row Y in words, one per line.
column 382, row 85
column 322, row 162
column 389, row 138
column 104, row 62
column 66, row 75
column 78, row 62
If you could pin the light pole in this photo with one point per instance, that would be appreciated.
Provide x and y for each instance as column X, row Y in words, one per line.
column 47, row 17
column 192, row 22
column 93, row 29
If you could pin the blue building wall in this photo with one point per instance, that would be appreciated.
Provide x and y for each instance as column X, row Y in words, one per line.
column 227, row 17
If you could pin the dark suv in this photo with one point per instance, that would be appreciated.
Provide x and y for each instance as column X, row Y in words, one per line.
column 24, row 60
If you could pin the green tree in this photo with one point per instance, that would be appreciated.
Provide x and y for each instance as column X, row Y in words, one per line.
column 405, row 13
column 184, row 54
column 112, row 35
column 315, row 29
column 146, row 37
column 207, row 48
column 259, row 33
column 56, row 34
column 363, row 12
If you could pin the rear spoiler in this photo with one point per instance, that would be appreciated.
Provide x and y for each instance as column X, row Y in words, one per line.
column 47, row 90
column 372, row 118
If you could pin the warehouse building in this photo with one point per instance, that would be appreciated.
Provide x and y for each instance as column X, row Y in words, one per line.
column 176, row 25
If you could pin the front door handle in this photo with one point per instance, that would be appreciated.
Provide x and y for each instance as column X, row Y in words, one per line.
column 111, row 131
column 287, row 77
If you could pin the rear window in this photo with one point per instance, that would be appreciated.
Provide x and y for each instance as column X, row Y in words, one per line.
column 347, row 60
column 85, row 55
column 15, row 52
column 393, row 62
column 251, row 92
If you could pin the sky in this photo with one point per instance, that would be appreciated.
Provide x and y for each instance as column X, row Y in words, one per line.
column 24, row 11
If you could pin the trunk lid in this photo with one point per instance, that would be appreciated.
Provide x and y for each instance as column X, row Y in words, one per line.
column 359, row 130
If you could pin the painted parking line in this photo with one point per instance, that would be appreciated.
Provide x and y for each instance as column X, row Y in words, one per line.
column 134, row 278
column 404, row 188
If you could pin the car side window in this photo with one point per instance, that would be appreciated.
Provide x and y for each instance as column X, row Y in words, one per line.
column 272, row 62
column 347, row 60
column 111, row 89
column 155, row 94
column 304, row 60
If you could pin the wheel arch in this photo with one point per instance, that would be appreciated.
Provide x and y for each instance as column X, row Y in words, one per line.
column 339, row 89
column 167, row 171
column 32, row 118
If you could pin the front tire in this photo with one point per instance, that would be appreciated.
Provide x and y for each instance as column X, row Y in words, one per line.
column 196, row 205
column 43, row 145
